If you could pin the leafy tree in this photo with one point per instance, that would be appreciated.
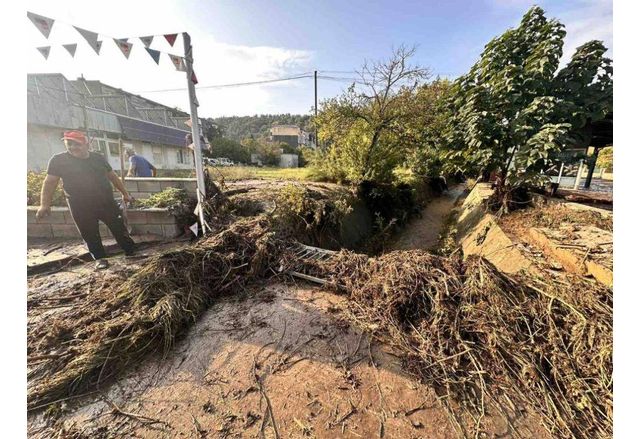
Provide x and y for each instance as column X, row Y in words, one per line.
column 362, row 129
column 605, row 158
column 514, row 110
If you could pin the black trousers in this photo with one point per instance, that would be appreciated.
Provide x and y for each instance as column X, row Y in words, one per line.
column 86, row 217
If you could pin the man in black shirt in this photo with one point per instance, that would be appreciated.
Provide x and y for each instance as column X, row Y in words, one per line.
column 86, row 179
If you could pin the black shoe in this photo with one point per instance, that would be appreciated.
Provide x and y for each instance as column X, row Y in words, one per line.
column 102, row 264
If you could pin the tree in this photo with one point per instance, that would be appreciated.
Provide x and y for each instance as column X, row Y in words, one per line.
column 512, row 112
column 361, row 127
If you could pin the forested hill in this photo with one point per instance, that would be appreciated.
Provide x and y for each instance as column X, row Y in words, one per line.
column 240, row 127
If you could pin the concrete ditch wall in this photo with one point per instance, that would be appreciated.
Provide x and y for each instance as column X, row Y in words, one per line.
column 478, row 233
column 59, row 224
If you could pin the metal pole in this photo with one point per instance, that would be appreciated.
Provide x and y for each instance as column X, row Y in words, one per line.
column 315, row 106
column 560, row 173
column 577, row 183
column 124, row 203
column 195, row 127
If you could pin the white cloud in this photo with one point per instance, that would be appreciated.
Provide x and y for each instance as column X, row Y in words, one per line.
column 592, row 20
column 214, row 62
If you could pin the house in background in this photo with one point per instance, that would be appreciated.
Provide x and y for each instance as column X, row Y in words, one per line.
column 292, row 135
column 108, row 114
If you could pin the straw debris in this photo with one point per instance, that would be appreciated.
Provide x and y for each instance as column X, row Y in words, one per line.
column 475, row 334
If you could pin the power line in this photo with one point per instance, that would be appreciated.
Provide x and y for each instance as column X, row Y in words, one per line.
column 237, row 84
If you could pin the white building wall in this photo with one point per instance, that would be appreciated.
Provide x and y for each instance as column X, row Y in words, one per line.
column 43, row 142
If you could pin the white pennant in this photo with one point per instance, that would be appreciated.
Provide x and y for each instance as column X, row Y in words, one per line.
column 147, row 40
column 71, row 48
column 91, row 37
column 44, row 51
column 178, row 62
column 124, row 47
column 194, row 229
column 44, row 24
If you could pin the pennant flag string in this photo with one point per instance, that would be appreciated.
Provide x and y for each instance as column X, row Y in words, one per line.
column 44, row 51
column 146, row 40
column 171, row 38
column 124, row 47
column 71, row 48
column 90, row 37
column 155, row 54
column 44, row 24
column 178, row 62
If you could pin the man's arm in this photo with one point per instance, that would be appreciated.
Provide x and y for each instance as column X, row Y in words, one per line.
column 115, row 180
column 154, row 171
column 46, row 195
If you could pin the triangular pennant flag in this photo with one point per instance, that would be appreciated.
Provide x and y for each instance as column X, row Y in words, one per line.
column 193, row 78
column 91, row 37
column 171, row 38
column 71, row 48
column 154, row 54
column 194, row 229
column 98, row 47
column 44, row 24
column 123, row 39
column 44, row 51
column 178, row 62
column 124, row 47
column 147, row 40
column 196, row 211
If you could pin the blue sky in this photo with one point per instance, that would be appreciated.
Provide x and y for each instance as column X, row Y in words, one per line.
column 238, row 41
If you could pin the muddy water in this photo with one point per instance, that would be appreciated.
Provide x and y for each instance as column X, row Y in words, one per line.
column 423, row 232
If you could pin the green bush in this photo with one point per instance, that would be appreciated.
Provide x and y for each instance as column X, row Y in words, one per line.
column 34, row 187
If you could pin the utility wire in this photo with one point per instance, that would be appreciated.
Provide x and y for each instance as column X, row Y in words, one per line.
column 237, row 84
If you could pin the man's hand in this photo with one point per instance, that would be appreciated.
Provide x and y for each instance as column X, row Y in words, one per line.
column 43, row 211
column 127, row 198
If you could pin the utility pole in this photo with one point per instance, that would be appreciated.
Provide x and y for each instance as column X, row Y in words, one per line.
column 315, row 106
column 195, row 128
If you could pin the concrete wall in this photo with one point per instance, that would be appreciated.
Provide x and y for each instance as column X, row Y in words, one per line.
column 288, row 160
column 42, row 143
column 144, row 187
column 60, row 223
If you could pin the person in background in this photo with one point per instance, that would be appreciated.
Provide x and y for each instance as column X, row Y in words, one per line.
column 139, row 166
column 87, row 178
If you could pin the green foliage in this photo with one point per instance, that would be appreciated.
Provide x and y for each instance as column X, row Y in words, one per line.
column 223, row 147
column 34, row 187
column 367, row 129
column 513, row 113
column 239, row 128
column 605, row 158
column 176, row 201
column 309, row 215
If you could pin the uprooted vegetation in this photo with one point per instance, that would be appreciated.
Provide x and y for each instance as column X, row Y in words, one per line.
column 482, row 338
column 119, row 323
column 477, row 336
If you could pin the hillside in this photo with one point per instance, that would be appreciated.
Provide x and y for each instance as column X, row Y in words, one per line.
column 240, row 127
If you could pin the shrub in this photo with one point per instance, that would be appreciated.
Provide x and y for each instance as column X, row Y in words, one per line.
column 34, row 187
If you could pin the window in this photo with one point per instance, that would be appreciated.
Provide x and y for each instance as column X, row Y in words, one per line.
column 183, row 156
column 114, row 148
column 102, row 147
column 157, row 155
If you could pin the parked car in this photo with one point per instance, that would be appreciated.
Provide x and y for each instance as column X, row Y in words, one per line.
column 223, row 161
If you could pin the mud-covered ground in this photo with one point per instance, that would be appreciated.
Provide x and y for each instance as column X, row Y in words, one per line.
column 281, row 361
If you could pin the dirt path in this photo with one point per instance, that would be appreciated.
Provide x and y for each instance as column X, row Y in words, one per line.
column 422, row 233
